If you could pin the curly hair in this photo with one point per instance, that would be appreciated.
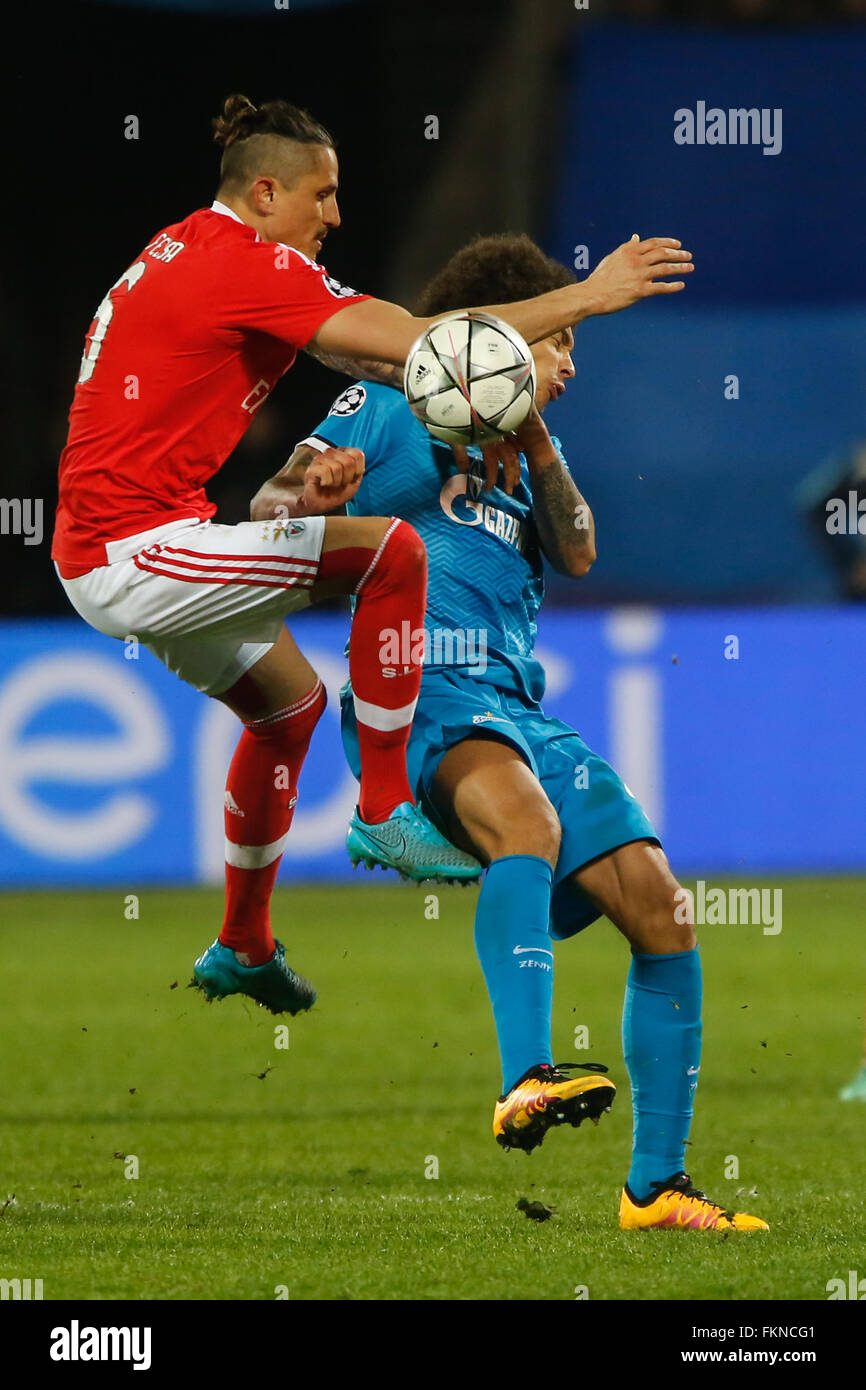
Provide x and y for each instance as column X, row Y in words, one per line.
column 255, row 140
column 498, row 269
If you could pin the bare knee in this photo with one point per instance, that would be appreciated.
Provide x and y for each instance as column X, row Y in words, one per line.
column 525, row 829
column 281, row 678
column 635, row 888
column 663, row 926
column 540, row 834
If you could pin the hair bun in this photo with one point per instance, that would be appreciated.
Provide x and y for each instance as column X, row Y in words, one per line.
column 236, row 120
column 252, row 138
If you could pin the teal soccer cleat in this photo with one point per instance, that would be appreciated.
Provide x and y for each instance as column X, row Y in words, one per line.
column 274, row 985
column 408, row 842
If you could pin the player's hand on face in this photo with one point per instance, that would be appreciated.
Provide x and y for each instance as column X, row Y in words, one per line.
column 503, row 451
column 332, row 479
column 637, row 269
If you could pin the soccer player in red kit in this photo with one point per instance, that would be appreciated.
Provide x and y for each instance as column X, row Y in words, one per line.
column 183, row 350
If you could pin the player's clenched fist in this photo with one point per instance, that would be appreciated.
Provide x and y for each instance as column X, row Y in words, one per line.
column 332, row 479
column 634, row 270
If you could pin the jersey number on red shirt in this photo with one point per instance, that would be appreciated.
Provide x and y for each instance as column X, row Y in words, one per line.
column 103, row 317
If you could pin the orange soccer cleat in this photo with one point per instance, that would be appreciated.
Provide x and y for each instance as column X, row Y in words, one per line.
column 676, row 1203
column 545, row 1096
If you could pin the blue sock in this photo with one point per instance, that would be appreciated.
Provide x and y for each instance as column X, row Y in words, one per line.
column 661, row 1039
column 516, row 953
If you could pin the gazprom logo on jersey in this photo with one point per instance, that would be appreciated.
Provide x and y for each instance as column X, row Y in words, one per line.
column 459, row 499
column 114, row 770
column 432, row 646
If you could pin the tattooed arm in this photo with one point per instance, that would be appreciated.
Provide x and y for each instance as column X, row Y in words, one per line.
column 563, row 519
column 363, row 368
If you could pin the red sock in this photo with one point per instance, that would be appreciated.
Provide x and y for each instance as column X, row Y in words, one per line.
column 385, row 659
column 386, row 653
column 261, row 791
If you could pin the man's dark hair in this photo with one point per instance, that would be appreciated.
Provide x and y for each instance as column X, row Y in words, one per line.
column 497, row 269
column 255, row 141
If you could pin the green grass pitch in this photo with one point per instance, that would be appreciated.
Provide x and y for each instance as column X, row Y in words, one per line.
column 302, row 1172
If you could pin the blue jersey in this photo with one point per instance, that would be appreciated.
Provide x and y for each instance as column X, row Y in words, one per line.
column 486, row 581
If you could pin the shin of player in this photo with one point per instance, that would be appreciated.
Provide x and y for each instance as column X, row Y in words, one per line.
column 390, row 584
column 390, row 595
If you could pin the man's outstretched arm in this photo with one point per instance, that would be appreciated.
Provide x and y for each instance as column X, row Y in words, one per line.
column 360, row 368
column 383, row 332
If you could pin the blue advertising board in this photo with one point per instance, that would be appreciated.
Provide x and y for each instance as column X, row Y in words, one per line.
column 740, row 730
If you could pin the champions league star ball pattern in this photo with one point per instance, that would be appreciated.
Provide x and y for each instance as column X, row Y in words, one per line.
column 470, row 379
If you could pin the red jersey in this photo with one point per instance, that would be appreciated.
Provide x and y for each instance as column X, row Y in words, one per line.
column 183, row 350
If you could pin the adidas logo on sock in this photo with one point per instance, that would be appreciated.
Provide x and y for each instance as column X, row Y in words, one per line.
column 232, row 806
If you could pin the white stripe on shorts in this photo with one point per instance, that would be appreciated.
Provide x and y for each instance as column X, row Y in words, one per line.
column 269, row 572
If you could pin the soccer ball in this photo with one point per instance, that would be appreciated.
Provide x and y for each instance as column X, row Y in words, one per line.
column 470, row 379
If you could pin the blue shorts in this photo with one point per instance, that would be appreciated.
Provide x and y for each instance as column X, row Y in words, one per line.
column 596, row 811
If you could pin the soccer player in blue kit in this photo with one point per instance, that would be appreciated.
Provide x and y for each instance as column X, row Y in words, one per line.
column 500, row 777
